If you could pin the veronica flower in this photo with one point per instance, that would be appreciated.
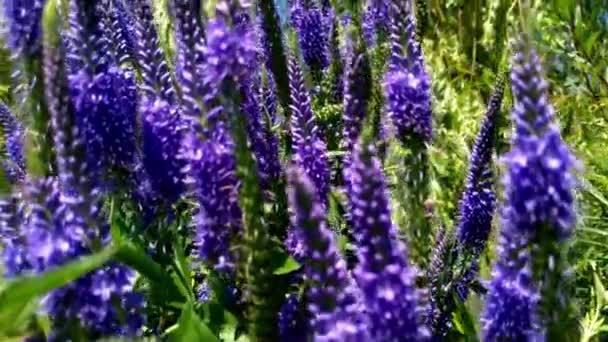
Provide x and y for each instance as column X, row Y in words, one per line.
column 537, row 219
column 357, row 87
column 65, row 222
column 263, row 141
column 190, row 42
column 293, row 324
column 313, row 36
column 150, row 58
column 23, row 18
column 211, row 166
column 106, row 105
column 407, row 84
column 229, row 53
column 383, row 273
column 376, row 20
column 336, row 315
column 478, row 201
column 14, row 254
column 105, row 95
column 162, row 141
column 118, row 26
column 310, row 151
column 54, row 236
column 13, row 132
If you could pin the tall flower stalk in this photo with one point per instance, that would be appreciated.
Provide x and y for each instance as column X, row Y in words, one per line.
column 310, row 151
column 13, row 135
column 455, row 261
column 333, row 303
column 528, row 295
column 408, row 104
column 383, row 272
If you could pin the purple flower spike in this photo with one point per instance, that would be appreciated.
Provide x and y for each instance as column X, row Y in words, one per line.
column 409, row 103
column 383, row 273
column 24, row 33
column 310, row 151
column 229, row 53
column 376, row 20
column 479, row 199
column 336, row 313
column 106, row 107
column 162, row 138
column 293, row 325
column 313, row 35
column 150, row 57
column 211, row 165
column 538, row 216
column 263, row 142
column 190, row 59
column 407, row 85
column 13, row 134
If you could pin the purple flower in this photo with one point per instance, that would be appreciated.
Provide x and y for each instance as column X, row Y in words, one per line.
column 407, row 84
column 229, row 53
column 106, row 106
column 313, row 35
column 512, row 301
column 538, row 215
column 383, row 273
column 408, row 103
column 263, row 142
column 54, row 234
column 336, row 314
column 89, row 44
column 162, row 139
column 310, row 151
column 478, row 201
column 190, row 42
column 24, row 33
column 119, row 26
column 13, row 136
column 150, row 58
column 357, row 87
column 211, row 166
column 65, row 223
column 293, row 324
column 14, row 255
column 376, row 20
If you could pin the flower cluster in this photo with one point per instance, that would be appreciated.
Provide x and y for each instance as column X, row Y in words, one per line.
column 407, row 84
column 190, row 58
column 478, row 201
column 162, row 141
column 53, row 234
column 211, row 165
column 313, row 29
column 13, row 134
column 539, row 210
column 376, row 20
column 383, row 272
column 106, row 105
column 310, row 151
column 332, row 301
column 150, row 58
column 23, row 18
column 263, row 141
column 229, row 52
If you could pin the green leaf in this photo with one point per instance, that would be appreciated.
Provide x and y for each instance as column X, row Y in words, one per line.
column 289, row 265
column 600, row 292
column 22, row 290
column 140, row 261
column 191, row 328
